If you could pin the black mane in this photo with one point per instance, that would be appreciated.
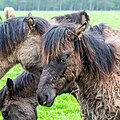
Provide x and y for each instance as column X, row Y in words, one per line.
column 24, row 85
column 15, row 30
column 98, row 56
column 72, row 18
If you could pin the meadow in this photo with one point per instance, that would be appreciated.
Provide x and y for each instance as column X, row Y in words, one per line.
column 65, row 106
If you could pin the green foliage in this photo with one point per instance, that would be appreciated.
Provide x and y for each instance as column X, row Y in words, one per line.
column 65, row 106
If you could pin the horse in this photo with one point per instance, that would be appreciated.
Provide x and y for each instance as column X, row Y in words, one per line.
column 9, row 12
column 90, row 60
column 77, row 18
column 19, row 43
column 18, row 98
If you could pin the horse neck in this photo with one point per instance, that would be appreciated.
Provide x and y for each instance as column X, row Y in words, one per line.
column 29, row 57
column 6, row 64
column 32, row 100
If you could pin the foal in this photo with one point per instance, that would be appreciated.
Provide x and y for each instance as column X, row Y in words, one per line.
column 18, row 98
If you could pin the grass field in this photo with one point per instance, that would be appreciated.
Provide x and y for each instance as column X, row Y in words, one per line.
column 65, row 106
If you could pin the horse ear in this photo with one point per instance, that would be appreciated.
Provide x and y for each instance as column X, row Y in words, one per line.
column 31, row 23
column 85, row 17
column 10, row 86
column 80, row 29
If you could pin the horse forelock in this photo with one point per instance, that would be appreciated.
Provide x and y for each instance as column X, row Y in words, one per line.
column 54, row 39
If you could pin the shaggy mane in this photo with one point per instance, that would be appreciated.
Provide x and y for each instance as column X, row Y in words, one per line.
column 15, row 30
column 98, row 57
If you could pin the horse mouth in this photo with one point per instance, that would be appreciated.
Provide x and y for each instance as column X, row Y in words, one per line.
column 48, row 103
column 48, row 98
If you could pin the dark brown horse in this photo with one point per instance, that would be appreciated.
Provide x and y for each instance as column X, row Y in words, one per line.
column 19, row 43
column 92, row 60
column 77, row 18
column 18, row 98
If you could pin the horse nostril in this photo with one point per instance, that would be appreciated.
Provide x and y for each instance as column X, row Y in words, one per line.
column 46, row 97
column 42, row 99
column 39, row 100
column 5, row 114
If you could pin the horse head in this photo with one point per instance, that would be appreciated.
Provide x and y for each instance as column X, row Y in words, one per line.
column 62, row 69
column 14, row 107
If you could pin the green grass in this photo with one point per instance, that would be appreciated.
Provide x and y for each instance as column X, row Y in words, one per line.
column 65, row 106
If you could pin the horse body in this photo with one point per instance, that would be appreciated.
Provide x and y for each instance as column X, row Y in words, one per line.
column 20, row 43
column 92, row 60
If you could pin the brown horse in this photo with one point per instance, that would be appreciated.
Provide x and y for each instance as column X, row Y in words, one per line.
column 92, row 60
column 77, row 18
column 9, row 12
column 19, row 43
column 18, row 98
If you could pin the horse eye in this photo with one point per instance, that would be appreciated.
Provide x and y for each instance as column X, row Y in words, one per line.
column 5, row 114
column 62, row 60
